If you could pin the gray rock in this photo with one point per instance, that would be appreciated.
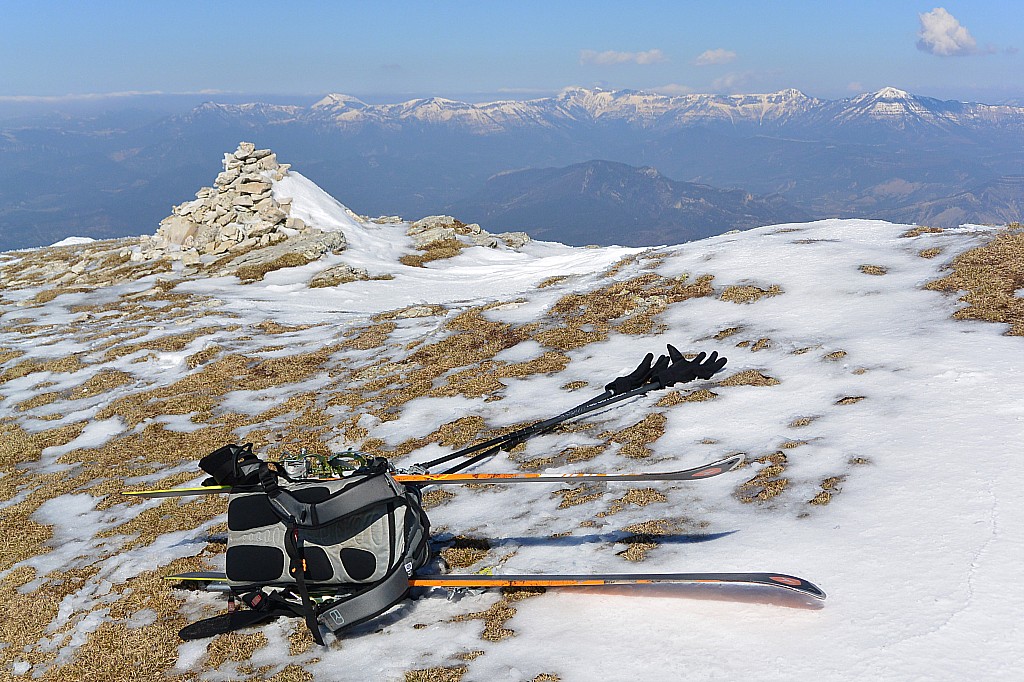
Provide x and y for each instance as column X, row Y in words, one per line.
column 273, row 215
column 339, row 274
column 254, row 187
column 226, row 178
column 515, row 240
column 176, row 228
column 484, row 239
column 244, row 150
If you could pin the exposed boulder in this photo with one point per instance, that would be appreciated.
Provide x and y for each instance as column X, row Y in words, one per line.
column 438, row 228
column 339, row 274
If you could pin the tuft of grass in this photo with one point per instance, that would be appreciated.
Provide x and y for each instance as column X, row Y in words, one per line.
column 768, row 482
column 255, row 272
column 918, row 231
column 640, row 497
column 497, row 615
column 635, row 439
column 437, row 674
column 873, row 269
column 750, row 377
column 439, row 250
column 576, row 496
column 749, row 293
column 465, row 551
column 990, row 275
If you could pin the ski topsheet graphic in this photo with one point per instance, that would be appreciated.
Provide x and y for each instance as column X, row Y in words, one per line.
column 789, row 582
column 703, row 471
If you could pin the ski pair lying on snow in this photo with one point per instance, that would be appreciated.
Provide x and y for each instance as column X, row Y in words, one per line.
column 703, row 471
column 790, row 582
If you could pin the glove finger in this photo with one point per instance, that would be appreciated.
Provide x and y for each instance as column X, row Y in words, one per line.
column 699, row 359
column 643, row 368
column 674, row 354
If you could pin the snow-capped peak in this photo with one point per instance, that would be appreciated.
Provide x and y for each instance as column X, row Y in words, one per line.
column 891, row 93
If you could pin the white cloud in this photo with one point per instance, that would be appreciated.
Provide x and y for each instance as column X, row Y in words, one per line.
column 855, row 86
column 731, row 82
column 717, row 56
column 612, row 57
column 943, row 35
column 673, row 89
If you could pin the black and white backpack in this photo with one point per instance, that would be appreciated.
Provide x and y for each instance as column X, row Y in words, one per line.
column 336, row 552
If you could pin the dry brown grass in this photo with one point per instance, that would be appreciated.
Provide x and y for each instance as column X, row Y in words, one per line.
column 750, row 377
column 749, row 293
column 644, row 538
column 640, row 497
column 877, row 270
column 439, row 250
column 255, row 272
column 850, row 400
column 552, row 281
column 583, row 453
column 465, row 551
column 918, row 231
column 63, row 365
column 930, row 253
column 576, row 496
column 584, row 318
column 203, row 356
column 678, row 397
column 835, row 355
column 102, row 382
column 497, row 615
column 635, row 439
column 990, row 275
column 437, row 674
column 170, row 343
column 768, row 482
column 829, row 488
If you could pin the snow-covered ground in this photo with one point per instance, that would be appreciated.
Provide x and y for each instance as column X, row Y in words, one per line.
column 910, row 420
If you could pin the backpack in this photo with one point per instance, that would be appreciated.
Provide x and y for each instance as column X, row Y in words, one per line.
column 336, row 552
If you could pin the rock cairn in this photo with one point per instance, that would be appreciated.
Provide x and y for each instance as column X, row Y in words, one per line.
column 238, row 214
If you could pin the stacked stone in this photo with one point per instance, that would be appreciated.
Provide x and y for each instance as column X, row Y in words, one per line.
column 237, row 214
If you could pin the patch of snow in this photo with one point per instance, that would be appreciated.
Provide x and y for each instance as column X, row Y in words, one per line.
column 73, row 241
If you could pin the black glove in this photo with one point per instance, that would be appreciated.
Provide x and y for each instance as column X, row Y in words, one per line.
column 682, row 370
column 639, row 376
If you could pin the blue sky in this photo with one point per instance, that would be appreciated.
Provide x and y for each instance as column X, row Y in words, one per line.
column 388, row 50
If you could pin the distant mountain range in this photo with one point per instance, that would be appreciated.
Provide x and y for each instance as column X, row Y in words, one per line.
column 603, row 202
column 887, row 154
column 791, row 109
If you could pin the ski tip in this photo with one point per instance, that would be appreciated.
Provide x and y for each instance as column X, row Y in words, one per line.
column 799, row 584
column 720, row 467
